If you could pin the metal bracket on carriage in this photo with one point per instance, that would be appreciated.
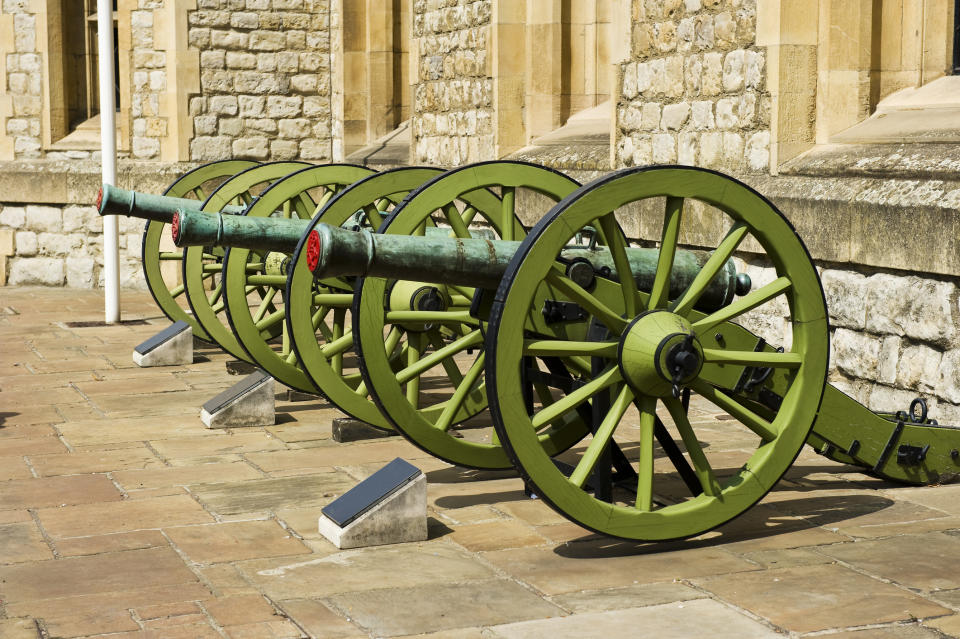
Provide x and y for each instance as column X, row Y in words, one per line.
column 556, row 311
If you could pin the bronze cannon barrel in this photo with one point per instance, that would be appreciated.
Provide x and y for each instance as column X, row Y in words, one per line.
column 196, row 228
column 481, row 263
column 112, row 200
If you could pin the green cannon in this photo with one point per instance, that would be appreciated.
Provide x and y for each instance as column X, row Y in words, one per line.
column 112, row 200
column 435, row 257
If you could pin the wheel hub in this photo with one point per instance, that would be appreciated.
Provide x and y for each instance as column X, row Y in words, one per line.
column 660, row 353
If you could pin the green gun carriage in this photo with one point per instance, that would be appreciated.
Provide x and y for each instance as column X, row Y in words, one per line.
column 589, row 375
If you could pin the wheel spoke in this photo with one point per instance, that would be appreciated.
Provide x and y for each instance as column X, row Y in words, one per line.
column 319, row 320
column 570, row 401
column 265, row 305
column 747, row 417
column 334, row 300
column 338, row 346
column 611, row 320
column 744, row 304
column 171, row 255
column 602, row 437
column 716, row 261
column 468, row 214
column 507, row 201
column 449, row 366
column 660, row 292
column 648, row 416
column 420, row 366
column 373, row 215
column 708, row 481
column 414, row 349
column 621, row 262
column 765, row 359
column 270, row 320
column 452, row 215
column 453, row 404
column 177, row 291
column 438, row 317
column 215, row 294
column 339, row 319
column 561, row 348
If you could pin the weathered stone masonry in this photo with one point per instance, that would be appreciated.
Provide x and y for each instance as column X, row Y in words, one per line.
column 693, row 90
column 453, row 95
column 265, row 80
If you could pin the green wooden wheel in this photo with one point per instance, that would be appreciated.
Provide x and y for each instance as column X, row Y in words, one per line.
column 157, row 251
column 255, row 281
column 642, row 344
column 440, row 384
column 318, row 312
column 201, row 266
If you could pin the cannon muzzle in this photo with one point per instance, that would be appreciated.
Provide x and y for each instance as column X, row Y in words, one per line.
column 197, row 228
column 159, row 208
column 481, row 263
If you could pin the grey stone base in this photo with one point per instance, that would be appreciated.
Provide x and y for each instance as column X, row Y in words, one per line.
column 249, row 402
column 172, row 346
column 401, row 517
column 299, row 396
column 347, row 429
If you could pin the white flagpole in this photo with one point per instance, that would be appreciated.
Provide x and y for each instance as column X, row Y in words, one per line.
column 108, row 158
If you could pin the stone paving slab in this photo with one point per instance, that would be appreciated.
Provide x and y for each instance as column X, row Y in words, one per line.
column 121, row 516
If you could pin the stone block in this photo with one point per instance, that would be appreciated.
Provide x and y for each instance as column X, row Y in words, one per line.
column 249, row 402
column 674, row 116
column 400, row 518
column 856, row 354
column 255, row 148
column 26, row 243
column 711, row 80
column 347, row 429
column 846, row 294
column 33, row 271
column 733, row 71
column 172, row 346
column 911, row 306
column 80, row 272
column 44, row 218
column 251, row 106
column 284, row 107
column 949, row 383
column 919, row 368
column 889, row 358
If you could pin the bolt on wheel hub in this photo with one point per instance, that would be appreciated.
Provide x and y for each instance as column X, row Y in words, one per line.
column 659, row 353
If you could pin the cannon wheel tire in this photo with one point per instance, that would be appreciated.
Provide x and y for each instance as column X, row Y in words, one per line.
column 195, row 183
column 625, row 376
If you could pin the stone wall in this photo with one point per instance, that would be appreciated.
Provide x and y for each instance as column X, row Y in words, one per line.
column 693, row 90
column 21, row 116
column 148, row 83
column 59, row 240
column 453, row 92
column 265, row 80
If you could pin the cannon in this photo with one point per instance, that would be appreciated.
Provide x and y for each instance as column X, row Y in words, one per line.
column 596, row 375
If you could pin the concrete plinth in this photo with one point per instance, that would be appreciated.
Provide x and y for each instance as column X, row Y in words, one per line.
column 173, row 346
column 249, row 402
column 347, row 429
column 398, row 518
